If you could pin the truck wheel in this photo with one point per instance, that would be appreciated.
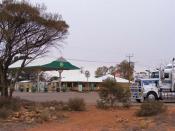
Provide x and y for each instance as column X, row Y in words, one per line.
column 151, row 96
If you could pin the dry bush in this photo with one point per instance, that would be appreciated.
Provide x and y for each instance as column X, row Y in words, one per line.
column 44, row 116
column 151, row 108
column 102, row 104
column 5, row 113
column 143, row 124
column 8, row 106
column 13, row 104
column 59, row 106
column 127, row 104
column 76, row 104
column 112, row 93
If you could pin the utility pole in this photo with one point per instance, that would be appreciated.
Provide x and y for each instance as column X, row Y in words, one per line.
column 129, row 66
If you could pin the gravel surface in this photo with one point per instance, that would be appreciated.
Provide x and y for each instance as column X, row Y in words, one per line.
column 15, row 126
column 89, row 97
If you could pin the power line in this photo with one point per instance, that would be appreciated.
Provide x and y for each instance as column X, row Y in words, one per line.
column 89, row 61
column 93, row 61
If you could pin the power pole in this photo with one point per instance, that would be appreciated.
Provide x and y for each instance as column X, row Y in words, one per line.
column 129, row 66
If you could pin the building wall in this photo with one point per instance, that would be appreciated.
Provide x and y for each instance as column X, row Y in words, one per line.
column 30, row 86
column 24, row 86
column 74, row 86
column 53, row 86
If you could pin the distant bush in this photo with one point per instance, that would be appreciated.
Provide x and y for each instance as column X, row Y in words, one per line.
column 76, row 104
column 151, row 108
column 112, row 92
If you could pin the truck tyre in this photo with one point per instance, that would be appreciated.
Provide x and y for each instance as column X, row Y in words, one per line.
column 151, row 96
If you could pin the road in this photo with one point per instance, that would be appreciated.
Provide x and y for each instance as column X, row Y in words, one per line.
column 89, row 97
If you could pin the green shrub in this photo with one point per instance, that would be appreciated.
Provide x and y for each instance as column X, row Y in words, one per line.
column 76, row 104
column 151, row 108
column 112, row 92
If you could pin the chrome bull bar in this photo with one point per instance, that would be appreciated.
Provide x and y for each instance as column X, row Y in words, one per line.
column 136, row 92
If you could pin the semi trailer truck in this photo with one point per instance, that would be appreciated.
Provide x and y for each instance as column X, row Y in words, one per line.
column 159, row 86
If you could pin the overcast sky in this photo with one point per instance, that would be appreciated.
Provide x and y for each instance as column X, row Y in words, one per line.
column 109, row 30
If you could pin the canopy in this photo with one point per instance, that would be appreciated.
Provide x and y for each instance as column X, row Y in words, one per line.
column 60, row 64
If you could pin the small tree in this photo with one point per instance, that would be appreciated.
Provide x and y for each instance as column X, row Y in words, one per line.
column 126, row 69
column 112, row 92
column 101, row 71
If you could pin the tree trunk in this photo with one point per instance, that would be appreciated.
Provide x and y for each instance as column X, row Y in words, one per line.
column 4, row 92
column 4, row 84
column 11, row 92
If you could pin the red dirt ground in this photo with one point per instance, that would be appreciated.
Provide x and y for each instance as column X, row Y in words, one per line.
column 111, row 120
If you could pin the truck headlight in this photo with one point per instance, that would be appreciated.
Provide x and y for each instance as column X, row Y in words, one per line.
column 143, row 90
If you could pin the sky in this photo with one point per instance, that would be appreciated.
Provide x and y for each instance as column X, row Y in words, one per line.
column 110, row 30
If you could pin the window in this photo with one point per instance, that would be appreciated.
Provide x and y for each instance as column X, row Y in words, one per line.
column 146, row 82
column 138, row 82
column 155, row 75
column 166, row 75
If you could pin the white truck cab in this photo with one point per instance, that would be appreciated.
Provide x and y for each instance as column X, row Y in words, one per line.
column 145, row 88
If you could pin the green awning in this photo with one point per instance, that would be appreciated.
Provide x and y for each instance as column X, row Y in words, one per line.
column 60, row 64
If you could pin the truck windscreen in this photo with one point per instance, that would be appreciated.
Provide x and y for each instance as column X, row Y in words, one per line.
column 155, row 75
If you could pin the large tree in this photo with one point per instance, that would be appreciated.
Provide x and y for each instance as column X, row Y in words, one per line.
column 126, row 69
column 26, row 32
